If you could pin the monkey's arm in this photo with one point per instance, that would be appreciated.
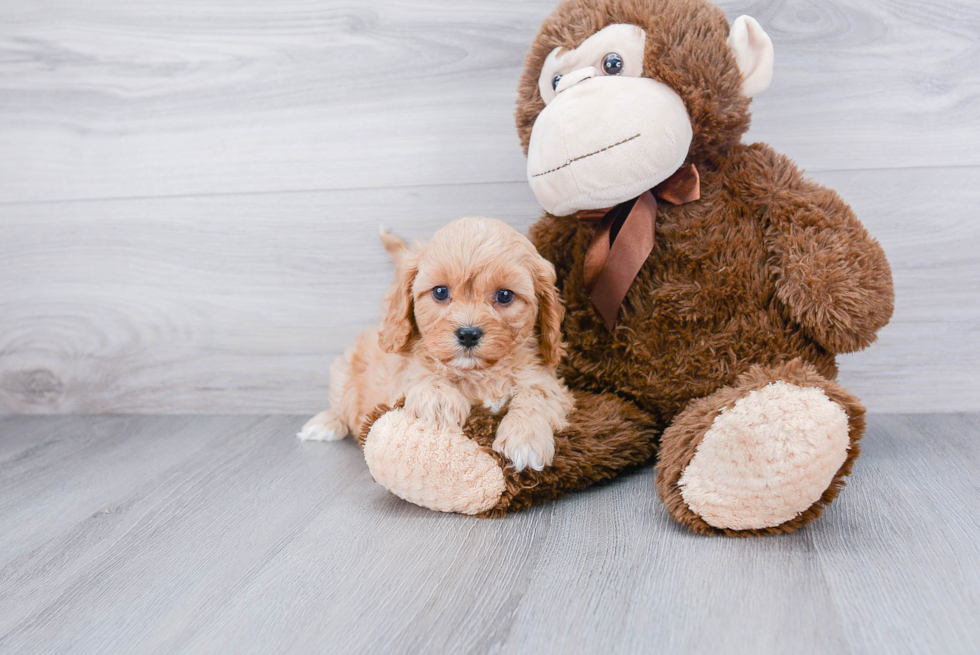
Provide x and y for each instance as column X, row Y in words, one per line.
column 831, row 275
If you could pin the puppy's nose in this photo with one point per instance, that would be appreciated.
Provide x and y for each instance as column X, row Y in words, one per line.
column 468, row 336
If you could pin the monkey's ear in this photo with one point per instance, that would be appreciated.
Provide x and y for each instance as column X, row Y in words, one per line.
column 753, row 52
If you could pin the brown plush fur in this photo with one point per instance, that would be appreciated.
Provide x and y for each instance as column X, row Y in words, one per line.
column 767, row 267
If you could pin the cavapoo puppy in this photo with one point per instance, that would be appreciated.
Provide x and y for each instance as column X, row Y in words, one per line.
column 473, row 317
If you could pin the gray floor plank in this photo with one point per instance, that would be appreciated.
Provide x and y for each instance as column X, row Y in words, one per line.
column 901, row 550
column 77, row 584
column 230, row 535
column 618, row 576
column 99, row 460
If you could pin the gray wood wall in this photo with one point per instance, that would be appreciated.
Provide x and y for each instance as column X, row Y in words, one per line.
column 190, row 191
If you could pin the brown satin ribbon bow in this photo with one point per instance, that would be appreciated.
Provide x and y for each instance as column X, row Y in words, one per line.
column 624, row 239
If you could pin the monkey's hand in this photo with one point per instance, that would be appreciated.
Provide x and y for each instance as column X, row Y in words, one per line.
column 831, row 275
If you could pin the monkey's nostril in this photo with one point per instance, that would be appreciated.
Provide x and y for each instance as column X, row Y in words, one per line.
column 468, row 336
column 569, row 80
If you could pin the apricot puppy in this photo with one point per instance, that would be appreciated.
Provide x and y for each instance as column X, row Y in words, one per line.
column 473, row 317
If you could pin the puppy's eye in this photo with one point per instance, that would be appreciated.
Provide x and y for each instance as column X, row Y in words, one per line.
column 612, row 64
column 441, row 293
column 554, row 82
column 505, row 296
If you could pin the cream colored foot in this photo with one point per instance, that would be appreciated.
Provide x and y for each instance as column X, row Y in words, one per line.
column 766, row 459
column 437, row 468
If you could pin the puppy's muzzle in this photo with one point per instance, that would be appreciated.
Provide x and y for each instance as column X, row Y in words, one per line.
column 468, row 336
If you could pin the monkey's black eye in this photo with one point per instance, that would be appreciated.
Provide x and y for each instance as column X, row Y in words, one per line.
column 505, row 296
column 554, row 82
column 441, row 293
column 612, row 64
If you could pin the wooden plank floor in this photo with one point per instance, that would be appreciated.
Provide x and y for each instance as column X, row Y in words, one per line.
column 197, row 534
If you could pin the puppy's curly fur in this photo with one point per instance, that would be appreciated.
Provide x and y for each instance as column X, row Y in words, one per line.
column 419, row 353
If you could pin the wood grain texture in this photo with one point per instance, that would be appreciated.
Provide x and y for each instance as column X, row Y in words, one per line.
column 122, row 99
column 205, row 534
column 153, row 306
column 190, row 191
column 910, row 524
column 156, row 306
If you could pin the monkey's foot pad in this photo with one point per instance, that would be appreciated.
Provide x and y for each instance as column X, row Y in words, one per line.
column 438, row 469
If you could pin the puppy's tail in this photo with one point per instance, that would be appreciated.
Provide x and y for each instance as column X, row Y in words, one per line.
column 397, row 249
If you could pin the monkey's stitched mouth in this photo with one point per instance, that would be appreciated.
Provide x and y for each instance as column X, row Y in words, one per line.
column 580, row 157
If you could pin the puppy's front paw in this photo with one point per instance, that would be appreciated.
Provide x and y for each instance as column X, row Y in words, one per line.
column 325, row 426
column 525, row 441
column 440, row 408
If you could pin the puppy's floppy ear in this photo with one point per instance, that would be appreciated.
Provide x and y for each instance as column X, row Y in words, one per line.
column 398, row 324
column 550, row 312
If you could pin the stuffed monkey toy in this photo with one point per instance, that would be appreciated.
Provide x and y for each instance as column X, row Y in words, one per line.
column 708, row 285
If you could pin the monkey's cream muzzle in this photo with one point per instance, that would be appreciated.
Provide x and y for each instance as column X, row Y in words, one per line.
column 603, row 140
column 607, row 133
